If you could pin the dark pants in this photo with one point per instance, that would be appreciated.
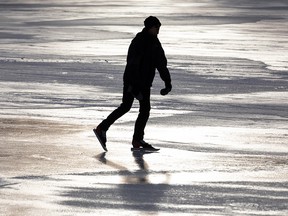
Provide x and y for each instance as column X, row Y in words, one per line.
column 127, row 101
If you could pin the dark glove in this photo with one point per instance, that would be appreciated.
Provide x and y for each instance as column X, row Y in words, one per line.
column 166, row 90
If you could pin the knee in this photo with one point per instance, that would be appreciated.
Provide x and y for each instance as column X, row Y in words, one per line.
column 125, row 107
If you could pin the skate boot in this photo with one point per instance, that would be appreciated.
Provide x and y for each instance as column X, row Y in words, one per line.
column 141, row 145
column 101, row 135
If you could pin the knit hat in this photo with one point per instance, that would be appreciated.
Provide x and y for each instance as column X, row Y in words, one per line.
column 151, row 21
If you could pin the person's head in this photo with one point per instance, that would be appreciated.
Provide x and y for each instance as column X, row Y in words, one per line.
column 152, row 25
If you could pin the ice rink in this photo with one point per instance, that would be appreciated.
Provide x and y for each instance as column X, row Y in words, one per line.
column 222, row 131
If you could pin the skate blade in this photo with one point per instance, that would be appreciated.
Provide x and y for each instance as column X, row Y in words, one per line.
column 145, row 149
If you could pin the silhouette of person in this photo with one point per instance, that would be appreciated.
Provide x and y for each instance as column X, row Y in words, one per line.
column 145, row 55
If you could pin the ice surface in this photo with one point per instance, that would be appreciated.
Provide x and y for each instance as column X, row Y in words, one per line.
column 222, row 130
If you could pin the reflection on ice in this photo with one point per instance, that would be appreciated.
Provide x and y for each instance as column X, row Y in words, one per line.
column 199, row 192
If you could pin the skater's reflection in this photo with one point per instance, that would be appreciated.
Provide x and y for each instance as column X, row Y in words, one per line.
column 135, row 192
column 139, row 176
column 142, row 174
column 102, row 158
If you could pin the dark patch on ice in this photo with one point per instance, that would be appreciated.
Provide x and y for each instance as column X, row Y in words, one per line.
column 33, row 177
column 5, row 155
column 188, row 19
column 37, row 178
column 200, row 197
column 60, row 4
column 261, row 4
column 5, row 184
column 86, row 22
column 5, row 35
column 194, row 147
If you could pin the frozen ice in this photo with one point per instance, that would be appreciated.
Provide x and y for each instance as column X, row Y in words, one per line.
column 222, row 130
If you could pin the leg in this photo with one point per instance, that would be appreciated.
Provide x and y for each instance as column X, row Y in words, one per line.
column 127, row 101
column 143, row 116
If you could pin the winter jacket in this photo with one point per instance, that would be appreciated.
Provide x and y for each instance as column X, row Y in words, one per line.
column 145, row 55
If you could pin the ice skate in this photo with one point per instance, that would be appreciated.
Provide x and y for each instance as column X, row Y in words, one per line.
column 141, row 145
column 101, row 136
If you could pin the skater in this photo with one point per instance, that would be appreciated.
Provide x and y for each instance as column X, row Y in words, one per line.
column 145, row 55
